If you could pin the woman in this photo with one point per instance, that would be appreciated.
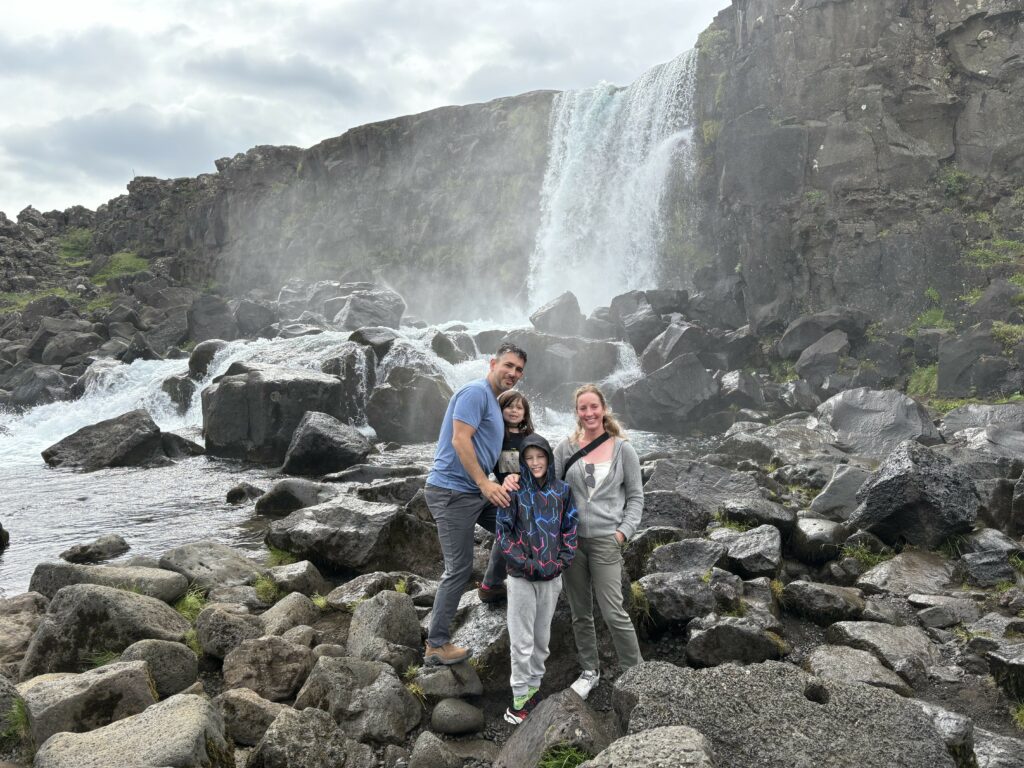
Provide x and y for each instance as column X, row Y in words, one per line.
column 603, row 471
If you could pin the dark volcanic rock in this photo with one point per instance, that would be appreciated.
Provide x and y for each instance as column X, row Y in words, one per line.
column 103, row 548
column 322, row 444
column 409, row 406
column 371, row 306
column 129, row 440
column 672, row 397
column 918, row 497
column 560, row 316
column 822, row 357
column 210, row 317
column 680, row 338
column 871, row 423
column 555, row 361
column 716, row 640
column 807, row 330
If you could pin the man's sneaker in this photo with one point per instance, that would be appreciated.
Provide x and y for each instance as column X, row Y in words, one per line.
column 517, row 715
column 493, row 594
column 446, row 654
column 586, row 682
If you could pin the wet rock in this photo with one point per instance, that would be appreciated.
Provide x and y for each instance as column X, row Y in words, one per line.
column 322, row 444
column 351, row 535
column 385, row 628
column 869, row 422
column 371, row 306
column 702, row 484
column 103, row 548
column 399, row 491
column 185, row 730
column 379, row 339
column 817, row 541
column 455, row 717
column 676, row 745
column 563, row 718
column 285, row 496
column 365, row 698
column 821, row 358
column 252, row 412
column 32, row 385
column 716, row 640
column 247, row 715
column 555, row 360
column 220, row 628
column 676, row 598
column 823, row 604
column 307, row 739
column 763, row 703
column 173, row 666
column 139, row 349
column 697, row 556
column 408, row 407
column 209, row 564
column 754, row 511
column 757, row 552
column 918, row 497
column 51, row 328
column 85, row 619
column 77, row 703
column 838, row 499
column 63, row 346
column 272, row 666
column 671, row 398
column 201, row 357
column 129, row 440
column 985, row 569
column 679, row 338
column 990, row 539
column 909, row 572
column 838, row 662
column 446, row 349
column 243, row 492
column 210, row 317
column 180, row 389
column 165, row 585
column 1007, row 665
column 253, row 316
column 889, row 644
column 943, row 611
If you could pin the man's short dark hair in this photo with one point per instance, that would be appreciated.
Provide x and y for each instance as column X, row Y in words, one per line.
column 509, row 348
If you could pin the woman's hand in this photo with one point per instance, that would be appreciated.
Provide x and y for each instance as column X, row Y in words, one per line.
column 620, row 537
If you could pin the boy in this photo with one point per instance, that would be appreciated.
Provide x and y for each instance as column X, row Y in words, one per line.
column 537, row 537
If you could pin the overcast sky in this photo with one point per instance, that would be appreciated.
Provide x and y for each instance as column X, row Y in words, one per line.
column 95, row 92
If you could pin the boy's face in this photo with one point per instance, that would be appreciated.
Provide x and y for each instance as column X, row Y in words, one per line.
column 536, row 460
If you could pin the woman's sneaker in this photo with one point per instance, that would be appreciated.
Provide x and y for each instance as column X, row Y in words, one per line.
column 516, row 715
column 586, row 682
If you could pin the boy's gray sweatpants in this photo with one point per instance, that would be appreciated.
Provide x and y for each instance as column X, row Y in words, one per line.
column 531, row 606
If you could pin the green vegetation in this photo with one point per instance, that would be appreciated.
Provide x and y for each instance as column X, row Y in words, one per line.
column 18, row 301
column 563, row 756
column 953, row 181
column 402, row 587
column 986, row 257
column 777, row 588
column 411, row 671
column 734, row 525
column 933, row 317
column 782, row 371
column 924, row 380
column 932, row 294
column 972, row 297
column 351, row 607
column 192, row 641
column 1017, row 715
column 191, row 604
column 120, row 264
column 17, row 731
column 814, row 196
column 945, row 405
column 953, row 546
column 75, row 247
column 279, row 557
column 865, row 556
column 1018, row 280
column 710, row 130
column 320, row 601
column 1017, row 561
column 1009, row 335
column 417, row 690
column 97, row 659
column 267, row 590
column 712, row 42
column 1003, row 586
column 738, row 612
column 639, row 605
column 706, row 576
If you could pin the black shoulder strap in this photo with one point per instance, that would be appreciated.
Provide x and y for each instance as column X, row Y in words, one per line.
column 583, row 452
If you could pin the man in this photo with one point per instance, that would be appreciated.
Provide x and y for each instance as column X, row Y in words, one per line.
column 458, row 488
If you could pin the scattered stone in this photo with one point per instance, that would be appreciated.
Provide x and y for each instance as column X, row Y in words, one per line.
column 385, row 628
column 838, row 662
column 173, row 666
column 716, row 640
column 457, row 681
column 889, row 644
column 165, row 585
column 209, row 564
column 985, row 569
column 677, row 745
column 130, row 440
column 308, row 739
column 871, row 423
column 408, row 406
column 824, row 604
column 220, row 628
column 757, row 552
column 431, row 751
column 19, row 619
column 271, row 666
column 817, row 541
column 103, row 548
column 302, row 577
column 285, row 496
column 838, row 499
column 243, row 492
column 563, row 718
column 322, row 444
column 247, row 715
column 455, row 717
column 201, row 357
column 676, row 598
column 908, row 573
column 697, row 556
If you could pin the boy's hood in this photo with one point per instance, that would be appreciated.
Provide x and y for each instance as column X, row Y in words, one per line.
column 536, row 441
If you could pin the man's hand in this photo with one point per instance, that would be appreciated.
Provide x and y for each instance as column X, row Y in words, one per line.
column 511, row 483
column 495, row 494
column 620, row 537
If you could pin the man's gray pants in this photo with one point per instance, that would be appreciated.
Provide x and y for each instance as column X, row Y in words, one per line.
column 457, row 515
column 531, row 606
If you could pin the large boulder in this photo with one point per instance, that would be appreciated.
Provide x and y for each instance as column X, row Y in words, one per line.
column 355, row 364
column 130, row 440
column 561, row 316
column 251, row 412
column 19, row 618
column 369, row 306
column 247, row 715
column 220, row 628
column 1009, row 416
column 890, row 645
column 838, row 499
column 210, row 317
column 765, row 704
column 671, row 398
column 958, row 358
column 871, row 423
column 823, row 604
column 32, row 385
column 910, row 572
column 716, row 640
column 385, row 628
column 850, row 665
column 680, row 338
column 78, row 703
column 918, row 497
column 561, row 719
column 409, row 406
column 675, row 745
column 322, row 444
column 210, row 564
column 102, row 548
column 822, row 357
column 253, row 316
column 85, row 619
column 272, row 666
column 352, row 535
column 173, row 666
column 555, row 361
column 308, row 739
column 707, row 486
column 806, row 330
column 68, row 344
column 168, row 586
column 49, row 329
column 285, row 496
column 184, row 731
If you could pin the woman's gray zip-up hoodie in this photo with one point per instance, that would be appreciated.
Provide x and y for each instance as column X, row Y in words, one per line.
column 618, row 502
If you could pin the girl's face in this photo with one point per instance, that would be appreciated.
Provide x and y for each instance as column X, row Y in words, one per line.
column 589, row 411
column 513, row 413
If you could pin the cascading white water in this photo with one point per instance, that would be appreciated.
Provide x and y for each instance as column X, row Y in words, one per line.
column 610, row 153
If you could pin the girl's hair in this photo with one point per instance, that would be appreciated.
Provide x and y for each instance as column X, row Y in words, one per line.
column 611, row 424
column 508, row 397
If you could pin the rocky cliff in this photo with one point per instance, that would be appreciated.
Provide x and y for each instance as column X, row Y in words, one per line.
column 862, row 154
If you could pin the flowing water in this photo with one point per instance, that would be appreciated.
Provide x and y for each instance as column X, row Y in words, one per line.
column 610, row 153
column 47, row 510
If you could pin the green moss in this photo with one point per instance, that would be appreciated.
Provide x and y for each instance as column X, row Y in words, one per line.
column 320, row 601
column 944, row 405
column 953, row 181
column 402, row 587
column 710, row 130
column 932, row 294
column 192, row 641
column 103, row 301
column 639, row 605
column 782, row 371
column 712, row 42
column 563, row 756
column 278, row 556
column 1008, row 334
column 17, row 730
column 18, row 301
column 75, row 247
column 972, row 297
column 1018, row 280
column 933, row 317
column 120, row 264
column 865, row 556
column 191, row 603
column 267, row 590
column 814, row 196
column 924, row 381
column 1017, row 715
column 986, row 257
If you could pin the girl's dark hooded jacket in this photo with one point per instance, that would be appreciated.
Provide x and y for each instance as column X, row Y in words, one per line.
column 537, row 531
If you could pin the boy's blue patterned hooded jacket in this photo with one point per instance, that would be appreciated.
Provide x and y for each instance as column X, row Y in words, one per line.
column 537, row 531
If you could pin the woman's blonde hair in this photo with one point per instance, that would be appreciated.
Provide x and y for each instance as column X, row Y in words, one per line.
column 611, row 424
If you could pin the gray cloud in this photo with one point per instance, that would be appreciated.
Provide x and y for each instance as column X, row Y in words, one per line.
column 99, row 56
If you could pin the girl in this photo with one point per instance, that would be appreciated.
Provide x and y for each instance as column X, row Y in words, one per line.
column 515, row 410
column 603, row 471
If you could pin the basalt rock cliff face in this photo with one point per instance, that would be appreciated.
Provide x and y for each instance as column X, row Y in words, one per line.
column 440, row 205
column 868, row 154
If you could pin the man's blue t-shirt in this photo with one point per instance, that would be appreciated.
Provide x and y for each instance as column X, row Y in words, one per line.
column 474, row 404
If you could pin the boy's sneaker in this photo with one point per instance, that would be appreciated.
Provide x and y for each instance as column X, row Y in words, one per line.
column 493, row 594
column 516, row 715
column 446, row 654
column 586, row 682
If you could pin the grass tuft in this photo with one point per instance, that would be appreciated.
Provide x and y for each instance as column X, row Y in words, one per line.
column 924, row 380
column 192, row 641
column 279, row 557
column 267, row 590
column 1017, row 561
column 320, row 601
column 17, row 730
column 75, row 247
column 953, row 546
column 1017, row 715
column 411, row 671
column 933, row 317
column 417, row 690
column 777, row 588
column 1009, row 335
column 865, row 556
column 639, row 605
column 563, row 756
column 96, row 659
column 733, row 525
column 402, row 587
column 191, row 604
column 120, row 264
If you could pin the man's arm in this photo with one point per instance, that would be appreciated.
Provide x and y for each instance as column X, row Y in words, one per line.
column 462, row 442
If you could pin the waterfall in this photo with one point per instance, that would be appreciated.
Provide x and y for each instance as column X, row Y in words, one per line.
column 611, row 150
